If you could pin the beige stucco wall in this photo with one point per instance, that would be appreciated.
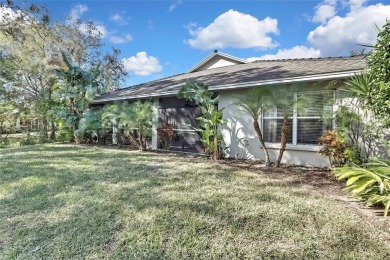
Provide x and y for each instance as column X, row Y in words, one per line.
column 240, row 137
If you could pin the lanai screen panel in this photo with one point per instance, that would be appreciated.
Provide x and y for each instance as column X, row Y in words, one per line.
column 182, row 114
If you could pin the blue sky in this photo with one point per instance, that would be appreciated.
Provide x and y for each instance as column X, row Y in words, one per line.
column 163, row 38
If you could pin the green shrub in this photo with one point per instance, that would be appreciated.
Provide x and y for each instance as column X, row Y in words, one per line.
column 370, row 182
column 28, row 141
column 64, row 135
column 358, row 132
column 5, row 142
column 353, row 155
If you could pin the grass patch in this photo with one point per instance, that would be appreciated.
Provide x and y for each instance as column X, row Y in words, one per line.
column 63, row 201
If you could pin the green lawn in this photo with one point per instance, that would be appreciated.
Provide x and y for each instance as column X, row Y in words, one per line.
column 63, row 201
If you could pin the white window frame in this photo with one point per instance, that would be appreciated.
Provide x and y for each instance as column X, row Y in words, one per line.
column 295, row 119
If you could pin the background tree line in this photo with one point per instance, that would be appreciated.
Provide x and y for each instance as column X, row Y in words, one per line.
column 50, row 70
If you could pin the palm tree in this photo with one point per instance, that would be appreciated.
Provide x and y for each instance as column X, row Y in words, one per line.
column 110, row 118
column 254, row 103
column 131, row 116
column 283, row 99
column 361, row 85
column 137, row 116
column 77, row 87
column 90, row 124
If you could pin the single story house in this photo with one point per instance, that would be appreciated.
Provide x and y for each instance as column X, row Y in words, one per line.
column 230, row 77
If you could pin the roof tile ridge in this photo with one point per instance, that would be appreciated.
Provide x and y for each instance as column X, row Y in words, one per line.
column 148, row 82
column 311, row 59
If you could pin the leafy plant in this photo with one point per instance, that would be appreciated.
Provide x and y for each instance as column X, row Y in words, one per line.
column 110, row 118
column 379, row 67
column 211, row 117
column 358, row 131
column 361, row 85
column 131, row 117
column 64, row 134
column 372, row 87
column 210, row 135
column 5, row 142
column 28, row 141
column 78, row 86
column 166, row 135
column 370, row 182
column 91, row 125
column 333, row 148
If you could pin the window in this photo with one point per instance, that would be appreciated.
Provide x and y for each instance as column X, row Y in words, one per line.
column 273, row 123
column 310, row 118
column 306, row 120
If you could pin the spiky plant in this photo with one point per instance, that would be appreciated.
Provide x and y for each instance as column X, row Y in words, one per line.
column 370, row 182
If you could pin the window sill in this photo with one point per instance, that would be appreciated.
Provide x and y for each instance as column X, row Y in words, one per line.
column 298, row 147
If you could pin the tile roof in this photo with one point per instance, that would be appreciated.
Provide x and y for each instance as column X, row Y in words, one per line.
column 256, row 71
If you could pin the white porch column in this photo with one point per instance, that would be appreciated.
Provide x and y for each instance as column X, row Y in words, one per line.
column 17, row 125
column 115, row 131
column 155, row 118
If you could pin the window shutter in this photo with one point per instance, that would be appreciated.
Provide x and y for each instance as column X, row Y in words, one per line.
column 309, row 130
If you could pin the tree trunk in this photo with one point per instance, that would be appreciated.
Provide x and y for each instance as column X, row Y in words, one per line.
column 262, row 144
column 133, row 140
column 53, row 132
column 142, row 145
column 1, row 130
column 215, row 144
column 77, row 139
column 104, row 136
column 75, row 124
column 44, row 135
column 283, row 140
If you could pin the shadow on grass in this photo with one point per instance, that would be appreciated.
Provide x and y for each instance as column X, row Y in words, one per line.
column 78, row 202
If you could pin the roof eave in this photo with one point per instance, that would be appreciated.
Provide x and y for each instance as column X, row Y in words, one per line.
column 326, row 76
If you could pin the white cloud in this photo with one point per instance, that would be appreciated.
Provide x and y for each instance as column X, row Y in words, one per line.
column 8, row 15
column 341, row 35
column 142, row 65
column 296, row 52
column 116, row 17
column 174, row 5
column 324, row 12
column 77, row 11
column 99, row 28
column 121, row 39
column 234, row 29
column 102, row 29
column 119, row 19
column 356, row 4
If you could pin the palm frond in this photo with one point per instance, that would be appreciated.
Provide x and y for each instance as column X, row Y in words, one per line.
column 361, row 84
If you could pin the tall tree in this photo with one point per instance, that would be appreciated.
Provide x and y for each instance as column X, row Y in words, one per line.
column 373, row 86
column 76, row 88
column 35, row 45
